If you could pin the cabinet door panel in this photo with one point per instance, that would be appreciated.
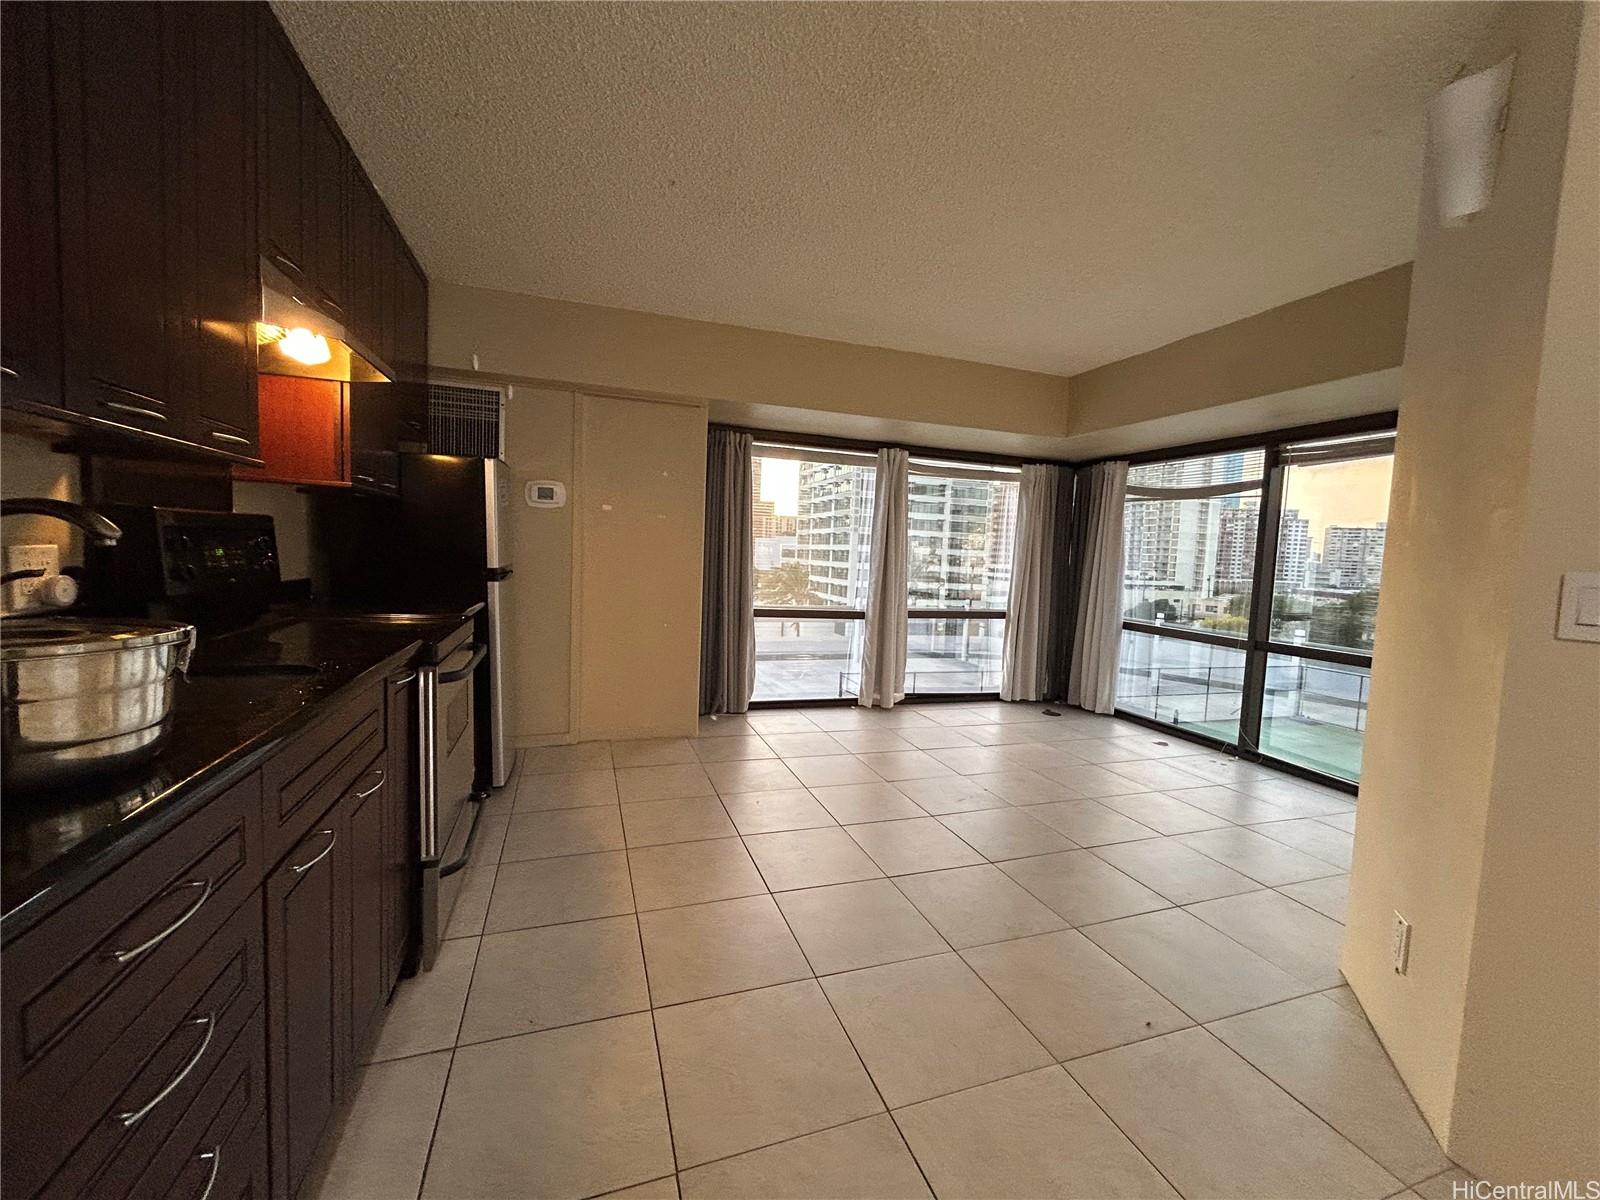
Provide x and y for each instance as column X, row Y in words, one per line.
column 306, row 992
column 117, row 164
column 399, row 832
column 281, row 152
column 369, row 987
column 324, row 178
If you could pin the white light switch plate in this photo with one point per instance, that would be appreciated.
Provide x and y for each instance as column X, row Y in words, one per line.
column 1579, row 619
column 47, row 557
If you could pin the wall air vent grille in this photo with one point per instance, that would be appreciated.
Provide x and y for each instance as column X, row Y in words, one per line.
column 465, row 420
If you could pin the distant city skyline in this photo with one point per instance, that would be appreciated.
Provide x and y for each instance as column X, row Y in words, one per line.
column 1347, row 493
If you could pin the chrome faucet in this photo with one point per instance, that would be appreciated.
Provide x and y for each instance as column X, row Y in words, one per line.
column 100, row 531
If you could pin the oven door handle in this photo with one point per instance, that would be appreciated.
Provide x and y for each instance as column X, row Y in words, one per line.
column 480, row 651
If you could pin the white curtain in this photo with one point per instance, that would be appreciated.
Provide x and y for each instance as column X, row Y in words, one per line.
column 883, row 657
column 727, row 601
column 1031, row 607
column 1092, row 674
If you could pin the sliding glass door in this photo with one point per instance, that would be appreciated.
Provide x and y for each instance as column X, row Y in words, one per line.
column 1250, row 586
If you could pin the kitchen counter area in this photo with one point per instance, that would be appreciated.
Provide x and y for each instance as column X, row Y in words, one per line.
column 246, row 694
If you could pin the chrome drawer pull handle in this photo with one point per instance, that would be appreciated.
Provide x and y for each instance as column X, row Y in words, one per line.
column 215, row 1155
column 332, row 839
column 373, row 788
column 283, row 260
column 123, row 956
column 230, row 437
column 139, row 1114
column 135, row 409
column 9, row 373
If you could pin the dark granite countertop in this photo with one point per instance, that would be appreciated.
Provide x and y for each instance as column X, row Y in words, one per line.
column 53, row 845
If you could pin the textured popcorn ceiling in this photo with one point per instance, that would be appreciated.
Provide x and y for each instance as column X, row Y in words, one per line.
column 1043, row 186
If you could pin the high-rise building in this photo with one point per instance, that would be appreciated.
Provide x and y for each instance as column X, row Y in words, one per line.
column 834, row 513
column 1352, row 555
column 1294, row 549
column 960, row 537
column 1236, row 549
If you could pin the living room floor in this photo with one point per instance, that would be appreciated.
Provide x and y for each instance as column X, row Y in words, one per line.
column 967, row 950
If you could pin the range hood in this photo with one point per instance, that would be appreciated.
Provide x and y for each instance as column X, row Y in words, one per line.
column 295, row 337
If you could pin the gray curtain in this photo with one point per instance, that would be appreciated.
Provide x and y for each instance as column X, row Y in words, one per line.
column 883, row 657
column 1097, row 635
column 1031, row 609
column 727, row 602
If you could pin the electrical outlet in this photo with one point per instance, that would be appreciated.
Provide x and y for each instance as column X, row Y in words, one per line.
column 46, row 557
column 1400, row 944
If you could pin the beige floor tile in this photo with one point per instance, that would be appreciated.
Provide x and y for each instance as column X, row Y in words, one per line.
column 692, row 873
column 694, row 819
column 656, row 1189
column 712, row 949
column 1182, row 875
column 1073, row 996
column 865, row 1160
column 1314, row 838
column 1082, row 888
column 566, row 789
column 584, row 756
column 1020, row 786
column 425, row 1013
column 563, row 1136
column 472, row 901
column 1131, row 747
column 872, row 741
column 1091, row 781
column 998, row 735
column 770, row 812
column 755, row 1068
column 803, row 745
column 1330, row 896
column 1034, row 1135
column 922, row 844
column 532, row 979
column 832, row 771
column 940, row 796
column 973, row 905
column 1298, row 800
column 949, row 715
column 1002, row 833
column 1341, row 821
column 738, row 748
column 559, row 831
column 1089, row 823
column 845, row 719
column 384, row 1136
column 974, row 760
column 1231, row 806
column 906, row 764
column 1034, row 756
column 1346, row 999
column 1214, row 1126
column 777, row 720
column 663, row 783
column 1157, row 776
column 803, row 858
column 548, row 891
column 1221, row 768
column 1329, row 1059
column 1163, row 813
column 653, row 752
column 856, row 803
column 724, row 725
column 850, row 925
column 1261, row 858
column 930, row 1026
column 1443, row 1186
column 935, row 737
column 1202, row 971
column 746, row 775
column 1285, row 933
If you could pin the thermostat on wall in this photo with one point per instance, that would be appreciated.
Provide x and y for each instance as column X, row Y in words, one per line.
column 546, row 493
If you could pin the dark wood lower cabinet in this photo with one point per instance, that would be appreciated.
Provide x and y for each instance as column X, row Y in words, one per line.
column 369, row 983
column 307, row 987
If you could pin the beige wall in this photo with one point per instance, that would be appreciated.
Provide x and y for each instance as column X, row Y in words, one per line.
column 290, row 510
column 1479, row 781
column 620, row 350
column 28, row 467
column 1352, row 330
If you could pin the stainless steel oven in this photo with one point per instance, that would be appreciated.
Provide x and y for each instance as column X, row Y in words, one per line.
column 450, row 809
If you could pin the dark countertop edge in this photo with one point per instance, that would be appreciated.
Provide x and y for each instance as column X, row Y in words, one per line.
column 190, row 796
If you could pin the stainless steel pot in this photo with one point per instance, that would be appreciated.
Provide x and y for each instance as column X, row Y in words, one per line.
column 85, row 697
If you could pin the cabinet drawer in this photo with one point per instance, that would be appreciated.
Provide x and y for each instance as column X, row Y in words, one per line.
column 319, row 766
column 74, row 983
column 217, row 1148
column 131, row 1099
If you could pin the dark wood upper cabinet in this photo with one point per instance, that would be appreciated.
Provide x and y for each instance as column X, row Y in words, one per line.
column 30, row 286
column 324, row 174
column 282, row 152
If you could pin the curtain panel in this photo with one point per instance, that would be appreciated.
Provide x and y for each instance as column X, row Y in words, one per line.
column 1097, row 632
column 883, row 655
column 727, row 602
column 1031, row 611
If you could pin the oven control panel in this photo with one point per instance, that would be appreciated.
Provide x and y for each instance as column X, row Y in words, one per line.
column 170, row 553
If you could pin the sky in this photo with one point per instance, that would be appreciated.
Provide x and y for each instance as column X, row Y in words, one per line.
column 1347, row 493
column 780, row 483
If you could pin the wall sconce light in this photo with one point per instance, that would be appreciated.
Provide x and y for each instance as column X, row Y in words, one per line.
column 1465, row 122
